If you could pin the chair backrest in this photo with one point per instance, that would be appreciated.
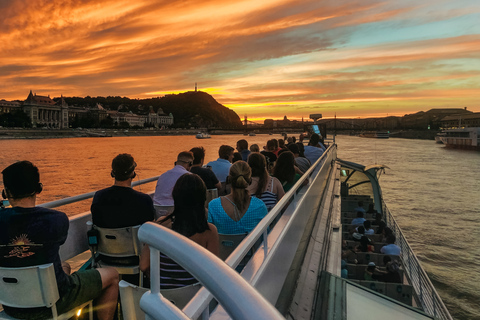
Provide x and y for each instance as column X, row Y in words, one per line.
column 121, row 242
column 211, row 194
column 130, row 296
column 228, row 243
column 29, row 287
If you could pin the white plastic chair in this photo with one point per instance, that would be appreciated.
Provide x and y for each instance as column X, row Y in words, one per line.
column 31, row 287
column 130, row 298
column 120, row 243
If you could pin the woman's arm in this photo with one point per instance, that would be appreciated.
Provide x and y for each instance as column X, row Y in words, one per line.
column 145, row 259
column 278, row 188
column 213, row 242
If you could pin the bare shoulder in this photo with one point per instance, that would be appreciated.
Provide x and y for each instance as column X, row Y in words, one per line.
column 212, row 228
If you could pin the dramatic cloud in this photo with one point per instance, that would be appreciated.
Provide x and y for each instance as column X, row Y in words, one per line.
column 262, row 58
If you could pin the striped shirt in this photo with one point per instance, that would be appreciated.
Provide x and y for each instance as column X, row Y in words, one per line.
column 268, row 197
column 172, row 275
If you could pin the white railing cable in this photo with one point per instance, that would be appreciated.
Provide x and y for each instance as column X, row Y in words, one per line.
column 88, row 195
column 244, row 302
column 428, row 296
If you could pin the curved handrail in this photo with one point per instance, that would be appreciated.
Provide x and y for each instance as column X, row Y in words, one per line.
column 429, row 298
column 85, row 196
column 242, row 303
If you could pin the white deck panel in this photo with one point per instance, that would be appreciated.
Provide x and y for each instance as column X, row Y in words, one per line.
column 362, row 304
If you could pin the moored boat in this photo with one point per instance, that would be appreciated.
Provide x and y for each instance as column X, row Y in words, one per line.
column 438, row 137
column 462, row 138
column 375, row 134
column 202, row 135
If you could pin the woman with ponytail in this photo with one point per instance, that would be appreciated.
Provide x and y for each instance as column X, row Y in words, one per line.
column 190, row 220
column 237, row 212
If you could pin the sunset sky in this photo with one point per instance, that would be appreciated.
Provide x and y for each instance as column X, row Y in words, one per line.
column 263, row 58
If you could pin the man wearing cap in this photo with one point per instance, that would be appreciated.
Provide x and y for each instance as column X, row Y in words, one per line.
column 120, row 205
column 165, row 183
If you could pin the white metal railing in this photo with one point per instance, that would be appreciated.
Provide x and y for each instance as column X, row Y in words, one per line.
column 198, row 306
column 85, row 196
column 244, row 302
column 428, row 297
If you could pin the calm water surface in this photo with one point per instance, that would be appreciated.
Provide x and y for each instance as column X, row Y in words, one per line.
column 432, row 192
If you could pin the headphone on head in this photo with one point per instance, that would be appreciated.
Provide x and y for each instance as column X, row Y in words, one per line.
column 126, row 172
column 37, row 190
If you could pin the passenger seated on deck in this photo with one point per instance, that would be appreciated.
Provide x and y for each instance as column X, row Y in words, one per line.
column 47, row 229
column 189, row 219
column 358, row 233
column 242, row 148
column 365, row 245
column 222, row 165
column 166, row 182
column 371, row 209
column 386, row 232
column 266, row 188
column 359, row 220
column 367, row 224
column 392, row 273
column 372, row 273
column 269, row 154
column 381, row 227
column 378, row 219
column 302, row 163
column 360, row 207
column 206, row 174
column 120, row 206
column 314, row 150
column 236, row 156
column 285, row 171
column 254, row 148
column 237, row 212
column 391, row 248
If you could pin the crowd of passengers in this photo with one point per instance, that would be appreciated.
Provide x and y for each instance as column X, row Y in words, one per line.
column 362, row 232
column 249, row 184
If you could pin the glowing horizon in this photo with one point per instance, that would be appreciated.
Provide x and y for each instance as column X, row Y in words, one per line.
column 265, row 59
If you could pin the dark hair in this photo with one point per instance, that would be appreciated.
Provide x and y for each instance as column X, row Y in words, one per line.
column 281, row 143
column 367, row 224
column 236, row 156
column 301, row 149
column 198, row 154
column 387, row 231
column 271, row 144
column 21, row 180
column 284, row 169
column 224, row 151
column 242, row 144
column 386, row 259
column 275, row 143
column 185, row 156
column 240, row 176
column 364, row 242
column 361, row 229
column 293, row 148
column 381, row 226
column 189, row 195
column 314, row 139
column 258, row 164
column 254, row 148
column 390, row 238
column 122, row 166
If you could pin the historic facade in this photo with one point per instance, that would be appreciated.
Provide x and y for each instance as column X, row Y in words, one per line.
column 43, row 111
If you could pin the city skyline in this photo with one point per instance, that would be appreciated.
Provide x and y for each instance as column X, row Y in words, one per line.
column 264, row 59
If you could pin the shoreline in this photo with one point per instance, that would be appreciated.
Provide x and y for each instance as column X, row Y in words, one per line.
column 10, row 134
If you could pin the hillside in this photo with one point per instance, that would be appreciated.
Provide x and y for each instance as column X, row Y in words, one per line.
column 189, row 109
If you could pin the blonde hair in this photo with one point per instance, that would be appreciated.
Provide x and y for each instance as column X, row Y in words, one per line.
column 240, row 177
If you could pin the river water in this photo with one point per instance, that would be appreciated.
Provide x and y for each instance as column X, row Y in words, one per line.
column 433, row 192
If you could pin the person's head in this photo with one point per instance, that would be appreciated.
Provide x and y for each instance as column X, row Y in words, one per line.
column 198, row 155
column 314, row 139
column 294, row 149
column 254, row 148
column 242, row 145
column 284, row 169
column 386, row 259
column 371, row 266
column 378, row 217
column 390, row 238
column 281, row 143
column 240, row 177
column 381, row 227
column 367, row 224
column 364, row 243
column 236, row 156
column 290, row 140
column 271, row 145
column 301, row 148
column 225, row 152
column 258, row 164
column 387, row 231
column 21, row 180
column 189, row 195
column 361, row 229
column 275, row 143
column 123, row 167
column 185, row 159
column 359, row 214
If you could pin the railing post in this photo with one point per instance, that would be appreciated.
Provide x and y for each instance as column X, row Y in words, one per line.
column 420, row 283
column 265, row 245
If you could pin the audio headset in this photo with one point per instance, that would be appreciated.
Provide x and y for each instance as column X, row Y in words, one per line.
column 126, row 172
column 38, row 189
